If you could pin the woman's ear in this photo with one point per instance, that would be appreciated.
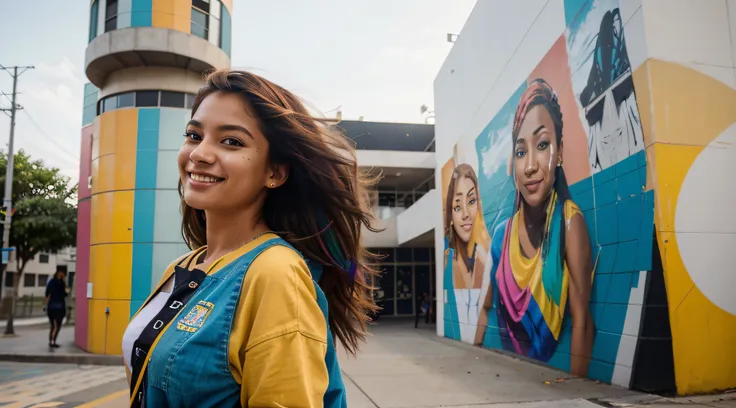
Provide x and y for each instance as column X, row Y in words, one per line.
column 279, row 175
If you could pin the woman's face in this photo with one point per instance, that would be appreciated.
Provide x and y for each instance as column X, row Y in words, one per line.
column 464, row 208
column 223, row 163
column 536, row 155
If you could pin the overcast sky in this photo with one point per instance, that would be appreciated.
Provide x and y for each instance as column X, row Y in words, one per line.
column 376, row 59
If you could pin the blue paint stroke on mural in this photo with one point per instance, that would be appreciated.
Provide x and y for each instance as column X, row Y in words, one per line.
column 493, row 147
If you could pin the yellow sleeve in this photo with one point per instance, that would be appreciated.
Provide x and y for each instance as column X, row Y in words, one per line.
column 571, row 209
column 279, row 338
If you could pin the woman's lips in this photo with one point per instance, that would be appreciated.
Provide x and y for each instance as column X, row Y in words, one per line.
column 533, row 185
column 467, row 227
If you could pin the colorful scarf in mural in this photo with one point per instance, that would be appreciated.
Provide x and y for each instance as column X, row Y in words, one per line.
column 532, row 292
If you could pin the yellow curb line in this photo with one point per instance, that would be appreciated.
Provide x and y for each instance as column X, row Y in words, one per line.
column 106, row 398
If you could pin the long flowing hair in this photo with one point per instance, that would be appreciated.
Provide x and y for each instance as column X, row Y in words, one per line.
column 321, row 208
column 539, row 92
column 460, row 248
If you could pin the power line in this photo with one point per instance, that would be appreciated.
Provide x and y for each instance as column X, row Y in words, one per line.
column 45, row 135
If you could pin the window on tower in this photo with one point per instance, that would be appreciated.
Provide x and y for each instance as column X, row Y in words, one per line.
column 111, row 15
column 210, row 21
column 145, row 99
column 93, row 15
column 200, row 18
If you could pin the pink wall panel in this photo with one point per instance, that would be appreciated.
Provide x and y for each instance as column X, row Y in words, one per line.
column 83, row 236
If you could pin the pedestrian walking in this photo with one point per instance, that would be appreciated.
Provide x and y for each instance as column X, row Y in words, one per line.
column 55, row 304
column 272, row 206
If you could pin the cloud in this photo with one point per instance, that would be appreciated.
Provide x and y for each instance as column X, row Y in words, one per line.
column 49, row 126
column 64, row 71
column 497, row 154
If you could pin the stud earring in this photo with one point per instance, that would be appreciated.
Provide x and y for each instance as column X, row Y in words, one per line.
column 273, row 185
column 559, row 164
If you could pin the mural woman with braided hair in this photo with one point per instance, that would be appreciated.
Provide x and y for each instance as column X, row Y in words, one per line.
column 541, row 255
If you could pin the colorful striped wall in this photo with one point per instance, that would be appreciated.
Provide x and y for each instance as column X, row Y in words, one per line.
column 171, row 14
column 134, row 216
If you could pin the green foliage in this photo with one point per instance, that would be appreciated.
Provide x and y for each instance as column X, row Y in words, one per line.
column 33, row 178
column 42, row 224
column 45, row 218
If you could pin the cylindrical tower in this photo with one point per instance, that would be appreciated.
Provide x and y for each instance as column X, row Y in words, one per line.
column 145, row 61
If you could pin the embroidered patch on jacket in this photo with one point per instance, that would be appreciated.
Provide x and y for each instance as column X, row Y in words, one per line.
column 194, row 320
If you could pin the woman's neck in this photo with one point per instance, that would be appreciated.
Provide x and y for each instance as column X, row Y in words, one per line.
column 228, row 231
column 533, row 220
column 534, row 217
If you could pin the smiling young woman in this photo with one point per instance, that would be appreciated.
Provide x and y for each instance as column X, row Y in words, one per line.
column 272, row 210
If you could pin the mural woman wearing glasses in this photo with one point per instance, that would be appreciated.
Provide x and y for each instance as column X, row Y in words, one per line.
column 542, row 255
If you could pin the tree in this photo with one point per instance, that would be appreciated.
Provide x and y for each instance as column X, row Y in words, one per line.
column 44, row 217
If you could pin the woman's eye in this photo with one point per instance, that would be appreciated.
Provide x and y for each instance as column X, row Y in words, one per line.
column 232, row 142
column 520, row 153
column 543, row 145
column 192, row 136
column 456, row 209
column 472, row 201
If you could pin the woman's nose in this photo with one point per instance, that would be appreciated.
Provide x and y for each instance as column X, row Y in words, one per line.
column 201, row 154
column 531, row 166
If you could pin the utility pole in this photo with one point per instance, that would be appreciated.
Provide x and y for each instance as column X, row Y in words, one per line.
column 8, row 198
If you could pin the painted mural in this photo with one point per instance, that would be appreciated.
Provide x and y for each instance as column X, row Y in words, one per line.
column 603, row 83
column 548, row 224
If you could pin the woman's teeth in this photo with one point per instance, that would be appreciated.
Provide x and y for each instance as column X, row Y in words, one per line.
column 203, row 179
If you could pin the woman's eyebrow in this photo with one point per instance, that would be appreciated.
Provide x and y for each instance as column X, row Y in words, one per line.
column 237, row 128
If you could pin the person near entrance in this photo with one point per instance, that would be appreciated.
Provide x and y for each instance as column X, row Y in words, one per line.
column 423, row 306
column 55, row 303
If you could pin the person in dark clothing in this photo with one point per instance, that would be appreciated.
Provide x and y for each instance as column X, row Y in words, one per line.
column 56, row 304
column 423, row 307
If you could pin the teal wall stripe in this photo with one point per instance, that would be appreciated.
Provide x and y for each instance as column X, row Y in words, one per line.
column 89, row 111
column 141, row 13
column 144, row 204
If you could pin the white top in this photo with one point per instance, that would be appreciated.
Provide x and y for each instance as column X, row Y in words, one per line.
column 141, row 320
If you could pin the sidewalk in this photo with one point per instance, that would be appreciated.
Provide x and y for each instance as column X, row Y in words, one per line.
column 400, row 366
column 25, row 322
column 405, row 367
column 30, row 344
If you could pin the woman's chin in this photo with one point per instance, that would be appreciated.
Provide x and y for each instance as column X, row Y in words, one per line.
column 198, row 202
column 464, row 238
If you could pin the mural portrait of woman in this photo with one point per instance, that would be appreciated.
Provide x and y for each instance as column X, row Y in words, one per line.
column 541, row 256
column 467, row 252
column 465, row 230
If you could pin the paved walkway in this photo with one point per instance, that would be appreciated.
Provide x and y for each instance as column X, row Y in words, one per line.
column 35, row 339
column 60, row 385
column 26, row 321
column 405, row 367
column 398, row 367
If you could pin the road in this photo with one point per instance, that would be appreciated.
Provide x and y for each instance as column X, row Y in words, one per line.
column 25, row 385
column 399, row 366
